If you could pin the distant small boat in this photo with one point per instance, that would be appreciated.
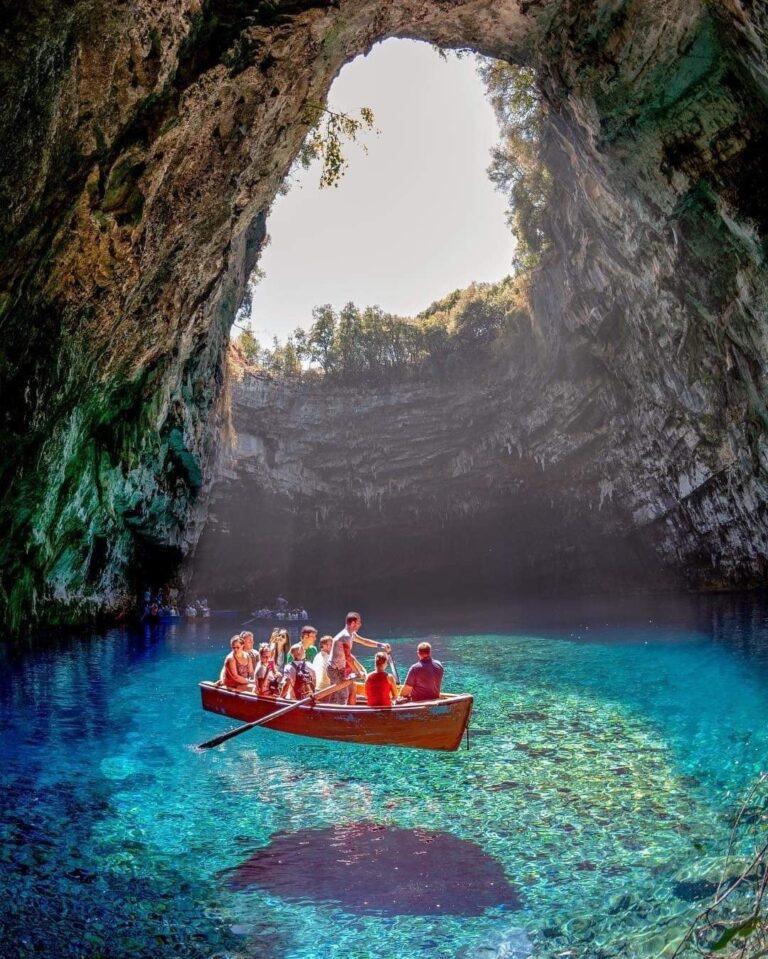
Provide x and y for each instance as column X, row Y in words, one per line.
column 437, row 724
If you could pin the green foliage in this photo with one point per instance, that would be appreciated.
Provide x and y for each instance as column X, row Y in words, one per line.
column 283, row 360
column 326, row 137
column 249, row 345
column 734, row 924
column 739, row 930
column 368, row 343
column 319, row 343
column 518, row 168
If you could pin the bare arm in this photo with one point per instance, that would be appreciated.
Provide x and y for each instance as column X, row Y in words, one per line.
column 371, row 643
column 359, row 666
column 231, row 675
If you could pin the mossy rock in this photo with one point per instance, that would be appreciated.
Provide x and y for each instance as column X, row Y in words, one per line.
column 122, row 196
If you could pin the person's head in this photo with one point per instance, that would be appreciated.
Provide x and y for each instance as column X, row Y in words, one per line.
column 326, row 642
column 381, row 661
column 283, row 637
column 424, row 650
column 247, row 639
column 354, row 621
column 308, row 636
column 236, row 643
column 264, row 652
column 297, row 651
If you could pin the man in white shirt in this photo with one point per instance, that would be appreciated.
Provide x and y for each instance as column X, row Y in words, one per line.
column 343, row 664
column 320, row 662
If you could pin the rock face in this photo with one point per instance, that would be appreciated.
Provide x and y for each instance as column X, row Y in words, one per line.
column 142, row 146
column 474, row 481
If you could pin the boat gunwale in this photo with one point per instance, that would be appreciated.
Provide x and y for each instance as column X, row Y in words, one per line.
column 334, row 708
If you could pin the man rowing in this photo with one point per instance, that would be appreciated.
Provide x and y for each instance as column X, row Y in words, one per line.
column 342, row 664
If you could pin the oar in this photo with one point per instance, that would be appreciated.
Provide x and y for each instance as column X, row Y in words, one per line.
column 394, row 668
column 218, row 740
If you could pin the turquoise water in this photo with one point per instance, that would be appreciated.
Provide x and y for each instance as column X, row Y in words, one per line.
column 608, row 752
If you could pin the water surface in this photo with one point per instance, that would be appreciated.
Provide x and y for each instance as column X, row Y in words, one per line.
column 609, row 747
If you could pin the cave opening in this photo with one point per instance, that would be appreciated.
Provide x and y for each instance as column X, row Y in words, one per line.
column 498, row 464
column 617, row 434
column 401, row 277
column 413, row 214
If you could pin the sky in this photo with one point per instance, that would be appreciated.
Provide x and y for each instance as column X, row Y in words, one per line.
column 412, row 219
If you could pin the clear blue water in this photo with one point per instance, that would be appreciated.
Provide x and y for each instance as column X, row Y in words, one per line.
column 609, row 748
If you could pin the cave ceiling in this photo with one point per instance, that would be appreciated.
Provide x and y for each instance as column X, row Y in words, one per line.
column 143, row 144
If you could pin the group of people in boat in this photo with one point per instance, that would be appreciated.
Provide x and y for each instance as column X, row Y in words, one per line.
column 280, row 609
column 296, row 671
column 291, row 615
column 165, row 605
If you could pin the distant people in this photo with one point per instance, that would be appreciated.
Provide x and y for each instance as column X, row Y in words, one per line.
column 343, row 664
column 303, row 615
column 152, row 615
column 320, row 663
column 308, row 640
column 266, row 676
column 424, row 678
column 298, row 676
column 237, row 672
column 380, row 687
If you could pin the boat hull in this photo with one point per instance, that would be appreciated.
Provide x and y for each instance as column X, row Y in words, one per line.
column 439, row 724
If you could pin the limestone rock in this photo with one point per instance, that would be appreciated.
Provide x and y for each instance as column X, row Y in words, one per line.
column 142, row 146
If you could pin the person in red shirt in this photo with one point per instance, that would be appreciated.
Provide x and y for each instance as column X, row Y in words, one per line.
column 380, row 688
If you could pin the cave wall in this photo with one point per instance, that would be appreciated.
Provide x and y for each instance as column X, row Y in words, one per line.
column 142, row 146
column 481, row 480
column 660, row 251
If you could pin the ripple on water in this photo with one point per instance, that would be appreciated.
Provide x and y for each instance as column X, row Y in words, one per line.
column 369, row 868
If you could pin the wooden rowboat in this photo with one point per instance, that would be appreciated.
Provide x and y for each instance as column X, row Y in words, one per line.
column 437, row 724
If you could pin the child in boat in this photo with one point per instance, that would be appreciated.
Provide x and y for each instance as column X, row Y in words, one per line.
column 298, row 675
column 250, row 652
column 266, row 676
column 320, row 663
column 237, row 672
column 380, row 688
